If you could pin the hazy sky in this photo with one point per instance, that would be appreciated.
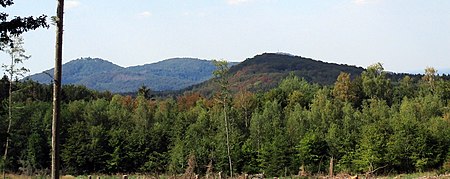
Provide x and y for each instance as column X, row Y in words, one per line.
column 405, row 35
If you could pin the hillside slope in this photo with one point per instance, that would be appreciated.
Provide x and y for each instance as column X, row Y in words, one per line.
column 78, row 70
column 274, row 64
column 265, row 71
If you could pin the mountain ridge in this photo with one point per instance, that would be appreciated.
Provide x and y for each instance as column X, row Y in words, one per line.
column 100, row 74
column 179, row 75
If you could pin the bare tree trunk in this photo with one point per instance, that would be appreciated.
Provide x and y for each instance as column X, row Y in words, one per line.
column 57, row 90
column 228, row 141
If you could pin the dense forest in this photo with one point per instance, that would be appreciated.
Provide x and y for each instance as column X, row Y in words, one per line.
column 264, row 72
column 366, row 124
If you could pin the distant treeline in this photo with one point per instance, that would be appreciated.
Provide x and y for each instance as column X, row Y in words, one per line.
column 367, row 124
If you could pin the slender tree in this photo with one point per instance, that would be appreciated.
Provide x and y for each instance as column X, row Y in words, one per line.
column 429, row 80
column 57, row 90
column 10, row 28
column 16, row 52
column 220, row 75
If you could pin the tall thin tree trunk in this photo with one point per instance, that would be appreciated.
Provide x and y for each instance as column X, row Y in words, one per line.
column 9, row 116
column 227, row 134
column 57, row 90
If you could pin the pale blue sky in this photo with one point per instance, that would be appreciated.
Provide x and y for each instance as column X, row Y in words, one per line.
column 405, row 35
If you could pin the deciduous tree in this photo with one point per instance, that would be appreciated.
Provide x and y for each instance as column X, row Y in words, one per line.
column 375, row 83
column 17, row 55
column 343, row 88
column 221, row 76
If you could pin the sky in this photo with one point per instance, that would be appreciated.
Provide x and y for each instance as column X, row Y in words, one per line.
column 404, row 35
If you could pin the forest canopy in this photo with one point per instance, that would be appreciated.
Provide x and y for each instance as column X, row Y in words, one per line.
column 367, row 124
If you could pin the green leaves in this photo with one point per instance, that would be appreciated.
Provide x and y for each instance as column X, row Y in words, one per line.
column 312, row 152
column 375, row 83
column 17, row 25
column 276, row 132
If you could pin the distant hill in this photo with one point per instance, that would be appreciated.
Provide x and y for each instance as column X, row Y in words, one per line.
column 261, row 72
column 78, row 70
column 276, row 64
column 265, row 71
column 99, row 74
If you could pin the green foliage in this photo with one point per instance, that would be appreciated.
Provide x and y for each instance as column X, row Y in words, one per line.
column 4, row 86
column 276, row 132
column 299, row 91
column 343, row 88
column 375, row 82
column 370, row 156
column 17, row 25
column 311, row 152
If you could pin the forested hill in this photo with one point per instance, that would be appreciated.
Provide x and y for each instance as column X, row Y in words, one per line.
column 98, row 74
column 78, row 70
column 265, row 71
column 282, row 64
